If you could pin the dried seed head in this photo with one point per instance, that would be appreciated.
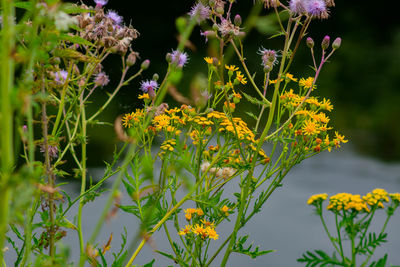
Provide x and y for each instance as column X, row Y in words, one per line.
column 101, row 79
column 131, row 60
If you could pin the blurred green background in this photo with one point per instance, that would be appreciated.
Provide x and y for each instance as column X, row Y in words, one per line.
column 362, row 79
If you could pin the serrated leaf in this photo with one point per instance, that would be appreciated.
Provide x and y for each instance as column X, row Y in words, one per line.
column 75, row 39
column 251, row 115
column 24, row 5
column 254, row 100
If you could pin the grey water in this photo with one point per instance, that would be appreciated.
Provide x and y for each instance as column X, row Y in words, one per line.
column 286, row 224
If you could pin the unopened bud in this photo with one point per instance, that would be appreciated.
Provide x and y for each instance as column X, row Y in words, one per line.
column 155, row 77
column 168, row 57
column 215, row 61
column 325, row 42
column 211, row 3
column 145, row 64
column 336, row 44
column 310, row 42
column 131, row 60
column 220, row 10
column 215, row 27
column 238, row 20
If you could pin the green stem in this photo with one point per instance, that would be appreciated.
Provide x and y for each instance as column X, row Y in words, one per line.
column 83, row 180
column 326, row 228
column 6, row 115
column 340, row 238
column 373, row 250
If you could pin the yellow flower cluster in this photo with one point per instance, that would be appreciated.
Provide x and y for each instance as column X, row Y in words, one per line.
column 201, row 230
column 317, row 198
column 205, row 230
column 395, row 197
column 376, row 197
column 347, row 201
column 190, row 212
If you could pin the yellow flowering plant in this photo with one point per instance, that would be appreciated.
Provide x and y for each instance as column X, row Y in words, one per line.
column 177, row 161
column 353, row 216
column 205, row 145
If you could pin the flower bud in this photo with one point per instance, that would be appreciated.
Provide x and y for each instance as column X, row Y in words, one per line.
column 215, row 27
column 155, row 77
column 215, row 61
column 336, row 44
column 238, row 20
column 168, row 57
column 310, row 42
column 325, row 42
column 131, row 60
column 145, row 64
column 211, row 3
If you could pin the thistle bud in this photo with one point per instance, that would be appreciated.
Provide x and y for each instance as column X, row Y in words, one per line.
column 145, row 64
column 215, row 61
column 238, row 20
column 211, row 3
column 310, row 42
column 325, row 42
column 168, row 57
column 155, row 77
column 336, row 44
column 131, row 60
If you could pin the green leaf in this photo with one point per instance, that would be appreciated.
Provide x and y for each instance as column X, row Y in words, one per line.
column 24, row 5
column 254, row 100
column 150, row 264
column 75, row 39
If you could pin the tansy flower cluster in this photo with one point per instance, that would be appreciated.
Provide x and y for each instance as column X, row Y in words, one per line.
column 310, row 123
column 205, row 229
column 356, row 203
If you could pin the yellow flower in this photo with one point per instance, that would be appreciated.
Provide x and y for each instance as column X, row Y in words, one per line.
column 240, row 77
column 212, row 233
column 317, row 198
column 326, row 104
column 307, row 83
column 209, row 60
column 310, row 128
column 225, row 210
column 185, row 230
column 231, row 68
column 207, row 223
column 290, row 77
column 126, row 120
column 144, row 96
column 199, row 212
column 199, row 230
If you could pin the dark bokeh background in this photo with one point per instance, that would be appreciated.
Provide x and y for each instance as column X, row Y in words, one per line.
column 362, row 79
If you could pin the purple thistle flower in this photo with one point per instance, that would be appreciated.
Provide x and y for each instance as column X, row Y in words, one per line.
column 316, row 8
column 61, row 76
column 297, row 6
column 53, row 151
column 200, row 11
column 115, row 17
column 179, row 58
column 101, row 3
column 147, row 86
column 268, row 56
column 101, row 79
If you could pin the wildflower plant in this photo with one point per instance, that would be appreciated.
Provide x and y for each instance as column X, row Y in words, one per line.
column 201, row 146
column 353, row 215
